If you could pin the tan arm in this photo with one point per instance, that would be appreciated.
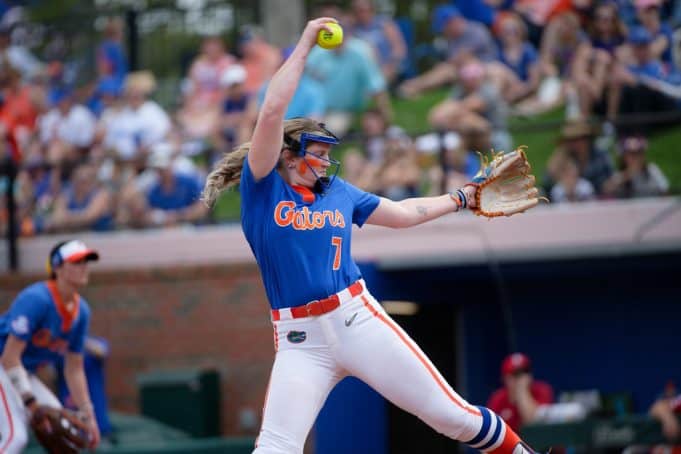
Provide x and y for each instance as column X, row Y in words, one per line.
column 269, row 130
column 414, row 211
column 74, row 375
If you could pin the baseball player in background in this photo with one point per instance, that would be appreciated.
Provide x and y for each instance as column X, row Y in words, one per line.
column 297, row 217
column 46, row 320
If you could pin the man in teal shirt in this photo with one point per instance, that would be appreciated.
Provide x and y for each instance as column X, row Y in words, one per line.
column 351, row 77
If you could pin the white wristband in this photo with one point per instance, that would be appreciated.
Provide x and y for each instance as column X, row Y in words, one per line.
column 19, row 378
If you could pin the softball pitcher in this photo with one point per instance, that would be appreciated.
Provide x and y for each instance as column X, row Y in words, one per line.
column 297, row 217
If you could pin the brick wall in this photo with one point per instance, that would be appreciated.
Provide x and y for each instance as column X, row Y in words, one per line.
column 178, row 318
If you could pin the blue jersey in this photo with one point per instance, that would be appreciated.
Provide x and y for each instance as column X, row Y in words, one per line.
column 39, row 317
column 302, row 246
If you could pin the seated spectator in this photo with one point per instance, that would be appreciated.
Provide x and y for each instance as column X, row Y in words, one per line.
column 648, row 13
column 518, row 402
column 538, row 14
column 374, row 135
column 577, row 142
column 641, row 86
column 637, row 177
column 382, row 34
column 666, row 410
column 67, row 130
column 38, row 188
column 174, row 198
column 360, row 164
column 561, row 42
column 18, row 103
column 204, row 75
column 605, row 30
column 112, row 63
column 309, row 101
column 458, row 165
column 517, row 73
column 399, row 176
column 593, row 62
column 104, row 91
column 463, row 38
column 140, row 123
column 199, row 116
column 234, row 106
column 570, row 187
column 259, row 58
column 351, row 78
column 83, row 205
column 165, row 196
column 18, row 56
column 483, row 11
column 111, row 104
column 474, row 99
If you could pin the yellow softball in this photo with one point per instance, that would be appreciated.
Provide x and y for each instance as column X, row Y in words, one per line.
column 329, row 40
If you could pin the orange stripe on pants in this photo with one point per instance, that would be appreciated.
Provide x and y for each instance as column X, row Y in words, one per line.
column 420, row 357
column 9, row 418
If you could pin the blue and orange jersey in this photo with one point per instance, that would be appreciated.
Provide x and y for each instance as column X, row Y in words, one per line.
column 39, row 317
column 302, row 240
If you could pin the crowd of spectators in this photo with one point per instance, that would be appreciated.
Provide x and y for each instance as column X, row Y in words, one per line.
column 106, row 155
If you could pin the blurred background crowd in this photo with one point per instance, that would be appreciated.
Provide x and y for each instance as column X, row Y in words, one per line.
column 99, row 146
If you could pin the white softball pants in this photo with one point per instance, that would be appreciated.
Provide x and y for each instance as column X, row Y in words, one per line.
column 360, row 339
column 13, row 415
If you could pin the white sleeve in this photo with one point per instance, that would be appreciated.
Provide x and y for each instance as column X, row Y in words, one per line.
column 661, row 182
column 156, row 123
column 46, row 125
column 81, row 126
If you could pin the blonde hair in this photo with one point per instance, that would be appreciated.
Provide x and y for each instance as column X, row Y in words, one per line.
column 227, row 172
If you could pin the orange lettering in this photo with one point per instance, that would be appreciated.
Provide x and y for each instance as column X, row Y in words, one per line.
column 317, row 220
column 284, row 220
column 285, row 215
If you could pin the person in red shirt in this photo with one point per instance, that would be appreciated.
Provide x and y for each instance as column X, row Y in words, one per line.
column 666, row 410
column 521, row 396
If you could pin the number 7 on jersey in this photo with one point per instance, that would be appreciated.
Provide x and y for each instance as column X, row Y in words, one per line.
column 337, row 242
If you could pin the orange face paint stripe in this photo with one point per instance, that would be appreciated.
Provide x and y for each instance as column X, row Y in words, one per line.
column 423, row 361
column 302, row 168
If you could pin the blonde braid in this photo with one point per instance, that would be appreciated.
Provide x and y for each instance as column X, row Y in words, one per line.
column 225, row 174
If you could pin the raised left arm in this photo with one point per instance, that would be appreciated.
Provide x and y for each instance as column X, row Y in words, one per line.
column 414, row 211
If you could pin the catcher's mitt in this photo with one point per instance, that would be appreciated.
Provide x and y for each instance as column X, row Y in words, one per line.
column 504, row 185
column 59, row 430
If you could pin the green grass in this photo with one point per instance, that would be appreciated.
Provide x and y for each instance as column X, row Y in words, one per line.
column 412, row 115
column 664, row 151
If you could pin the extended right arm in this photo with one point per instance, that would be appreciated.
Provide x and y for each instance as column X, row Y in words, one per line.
column 269, row 129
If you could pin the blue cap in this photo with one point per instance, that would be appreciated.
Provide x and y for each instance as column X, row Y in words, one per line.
column 59, row 94
column 109, row 85
column 441, row 15
column 640, row 35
